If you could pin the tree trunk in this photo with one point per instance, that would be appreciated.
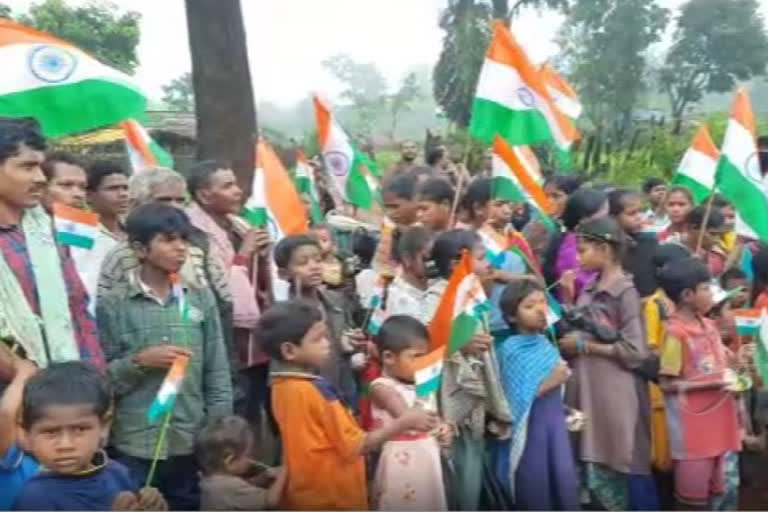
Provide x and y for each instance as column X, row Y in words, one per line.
column 226, row 116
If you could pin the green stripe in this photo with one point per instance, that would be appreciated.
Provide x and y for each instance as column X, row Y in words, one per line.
column 506, row 190
column 748, row 199
column 358, row 192
column 463, row 329
column 65, row 109
column 699, row 191
column 748, row 330
column 304, row 187
column 257, row 217
column 74, row 240
column 518, row 127
column 163, row 158
column 425, row 389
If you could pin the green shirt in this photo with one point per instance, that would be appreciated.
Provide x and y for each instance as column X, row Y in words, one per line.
column 131, row 319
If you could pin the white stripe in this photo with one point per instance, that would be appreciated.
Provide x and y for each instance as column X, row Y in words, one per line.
column 75, row 228
column 699, row 167
column 428, row 373
column 464, row 303
column 17, row 75
column 338, row 155
column 764, row 329
column 258, row 193
column 502, row 84
column 740, row 147
column 532, row 168
column 567, row 105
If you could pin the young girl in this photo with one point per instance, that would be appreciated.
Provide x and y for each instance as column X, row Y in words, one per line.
column 679, row 203
column 224, row 451
column 399, row 201
column 538, row 233
column 333, row 269
column 471, row 397
column 410, row 292
column 536, row 462
column 435, row 201
column 614, row 445
column 409, row 473
column 711, row 250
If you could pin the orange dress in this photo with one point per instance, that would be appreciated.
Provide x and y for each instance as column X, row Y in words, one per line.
column 321, row 445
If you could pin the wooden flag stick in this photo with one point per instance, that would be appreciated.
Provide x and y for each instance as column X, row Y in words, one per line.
column 460, row 182
column 705, row 221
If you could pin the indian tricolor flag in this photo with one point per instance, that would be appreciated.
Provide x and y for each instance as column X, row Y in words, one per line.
column 747, row 321
column 274, row 203
column 697, row 170
column 350, row 170
column 563, row 96
column 62, row 87
column 429, row 370
column 177, row 292
column 143, row 152
column 462, row 309
column 513, row 101
column 169, row 389
column 75, row 227
column 739, row 176
column 514, row 175
column 304, row 175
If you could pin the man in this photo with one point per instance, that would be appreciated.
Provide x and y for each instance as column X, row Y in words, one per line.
column 408, row 153
column 242, row 252
column 43, row 302
column 66, row 180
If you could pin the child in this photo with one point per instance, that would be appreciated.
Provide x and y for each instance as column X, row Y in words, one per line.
column 615, row 443
column 655, row 190
column 333, row 269
column 409, row 474
column 299, row 262
column 143, row 332
column 323, row 446
column 537, row 461
column 16, row 467
column 736, row 279
column 701, row 412
column 399, row 199
column 224, row 451
column 626, row 206
column 710, row 249
column 65, row 422
column 679, row 202
column 435, row 198
column 410, row 292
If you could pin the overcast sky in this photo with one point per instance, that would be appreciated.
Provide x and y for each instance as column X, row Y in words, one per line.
column 288, row 40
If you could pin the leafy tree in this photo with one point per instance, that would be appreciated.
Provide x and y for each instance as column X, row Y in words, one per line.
column 5, row 11
column 404, row 98
column 365, row 89
column 179, row 94
column 96, row 27
column 502, row 10
column 604, row 45
column 716, row 43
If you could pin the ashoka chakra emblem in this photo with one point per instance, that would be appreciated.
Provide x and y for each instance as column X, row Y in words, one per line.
column 337, row 162
column 52, row 64
column 526, row 97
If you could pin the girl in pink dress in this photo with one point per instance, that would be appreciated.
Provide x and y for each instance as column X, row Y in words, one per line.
column 409, row 474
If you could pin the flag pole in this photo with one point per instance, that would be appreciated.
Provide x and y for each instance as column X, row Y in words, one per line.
column 705, row 221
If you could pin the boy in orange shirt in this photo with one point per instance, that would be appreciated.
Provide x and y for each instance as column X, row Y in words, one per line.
column 323, row 446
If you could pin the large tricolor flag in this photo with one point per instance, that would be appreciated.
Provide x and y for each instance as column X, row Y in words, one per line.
column 513, row 101
column 169, row 389
column 563, row 95
column 462, row 309
column 514, row 176
column 349, row 168
column 143, row 152
column 75, row 227
column 697, row 170
column 429, row 370
column 739, row 176
column 305, row 184
column 62, row 87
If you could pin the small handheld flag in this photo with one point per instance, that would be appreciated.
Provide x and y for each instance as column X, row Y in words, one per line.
column 429, row 370
column 747, row 321
column 177, row 292
column 75, row 227
column 166, row 395
column 143, row 152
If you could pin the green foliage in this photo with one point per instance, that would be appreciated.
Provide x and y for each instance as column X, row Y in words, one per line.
column 366, row 89
column 96, row 27
column 404, row 98
column 604, row 45
column 5, row 11
column 179, row 94
column 717, row 43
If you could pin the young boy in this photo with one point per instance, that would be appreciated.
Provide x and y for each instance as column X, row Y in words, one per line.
column 65, row 422
column 435, row 199
column 323, row 446
column 655, row 190
column 333, row 269
column 701, row 411
column 144, row 327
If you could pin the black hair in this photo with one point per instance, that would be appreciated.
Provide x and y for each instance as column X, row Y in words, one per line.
column 100, row 169
column 199, row 175
column 54, row 157
column 287, row 246
column 666, row 253
column 732, row 273
column 434, row 155
column 412, row 241
column 402, row 186
column 582, row 204
column 479, row 192
column 285, row 322
column 17, row 132
column 695, row 218
column 681, row 190
column 568, row 183
column 651, row 183
column 514, row 293
column 617, row 197
column 436, row 190
column 69, row 383
column 397, row 331
column 221, row 438
column 448, row 246
column 149, row 220
column 364, row 246
column 604, row 230
column 419, row 171
column 680, row 275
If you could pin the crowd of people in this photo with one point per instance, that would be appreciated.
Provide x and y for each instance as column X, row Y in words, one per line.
column 641, row 396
